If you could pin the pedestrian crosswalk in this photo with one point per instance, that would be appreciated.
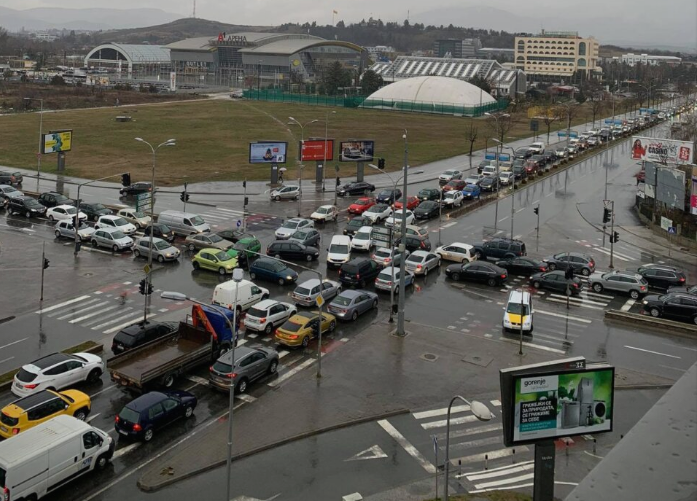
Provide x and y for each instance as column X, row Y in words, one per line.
column 221, row 217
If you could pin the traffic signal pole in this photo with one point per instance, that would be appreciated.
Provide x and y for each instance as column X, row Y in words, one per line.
column 43, row 268
column 612, row 234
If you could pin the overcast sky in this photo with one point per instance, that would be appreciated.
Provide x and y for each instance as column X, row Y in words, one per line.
column 668, row 20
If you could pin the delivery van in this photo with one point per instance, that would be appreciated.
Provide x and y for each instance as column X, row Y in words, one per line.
column 49, row 455
column 518, row 302
column 248, row 294
column 183, row 223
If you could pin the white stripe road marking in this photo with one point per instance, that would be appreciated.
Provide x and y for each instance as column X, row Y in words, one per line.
column 496, row 403
column 579, row 299
column 554, row 338
column 475, row 443
column 59, row 305
column 81, row 306
column 198, row 380
column 283, row 353
column 291, row 372
column 470, row 431
column 406, row 445
column 238, row 212
column 559, row 315
column 506, row 481
column 453, row 223
column 13, row 342
column 511, row 468
column 533, row 345
column 440, row 412
column 126, row 450
column 120, row 312
column 596, row 295
column 246, row 398
column 439, row 424
column 125, row 324
column 574, row 304
column 653, row 352
column 93, row 416
column 477, row 458
column 100, row 312
column 6, row 360
column 628, row 305
column 83, row 309
column 600, row 249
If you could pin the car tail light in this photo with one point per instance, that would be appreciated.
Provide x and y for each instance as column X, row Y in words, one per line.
column 294, row 336
column 543, row 268
column 503, row 275
column 682, row 279
column 231, row 375
column 343, row 312
column 388, row 259
column 576, row 286
column 5, row 494
column 358, row 276
column 30, row 386
column 137, row 427
column 642, row 288
column 116, row 419
column 15, row 431
column 423, row 244
column 418, row 266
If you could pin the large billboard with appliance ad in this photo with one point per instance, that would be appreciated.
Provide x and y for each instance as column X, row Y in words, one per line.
column 356, row 151
column 268, row 152
column 57, row 141
column 662, row 150
column 316, row 149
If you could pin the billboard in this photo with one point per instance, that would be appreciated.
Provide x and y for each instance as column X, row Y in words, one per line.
column 693, row 193
column 665, row 183
column 662, row 150
column 356, row 151
column 267, row 152
column 313, row 149
column 57, row 141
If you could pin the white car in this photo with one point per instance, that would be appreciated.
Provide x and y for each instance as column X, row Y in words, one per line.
column 489, row 170
column 396, row 218
column 339, row 251
column 63, row 212
column 361, row 239
column 57, row 371
column 290, row 192
column 378, row 213
column 453, row 199
column 107, row 222
column 325, row 213
column 66, row 228
column 135, row 217
column 268, row 314
column 475, row 179
column 506, row 178
column 458, row 252
column 291, row 226
column 449, row 175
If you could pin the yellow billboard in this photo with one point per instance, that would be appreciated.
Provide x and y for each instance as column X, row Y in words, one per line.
column 57, row 141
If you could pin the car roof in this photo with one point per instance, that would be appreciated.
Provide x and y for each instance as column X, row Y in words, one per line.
column 419, row 253
column 351, row 293
column 240, row 352
column 514, row 297
column 155, row 240
column 309, row 283
column 145, row 401
column 34, row 399
column 50, row 360
column 265, row 304
column 365, row 229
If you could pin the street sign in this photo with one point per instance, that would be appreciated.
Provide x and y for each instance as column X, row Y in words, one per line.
column 672, row 230
column 534, row 125
column 239, row 223
column 435, row 444
column 319, row 300
column 146, row 269
column 142, row 196
column 666, row 223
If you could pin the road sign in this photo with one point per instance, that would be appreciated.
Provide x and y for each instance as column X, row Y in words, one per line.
column 534, row 125
column 319, row 300
column 666, row 223
column 146, row 269
column 435, row 444
column 672, row 230
column 142, row 196
column 239, row 223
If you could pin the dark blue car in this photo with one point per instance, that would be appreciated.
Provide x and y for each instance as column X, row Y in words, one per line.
column 273, row 271
column 145, row 415
column 471, row 191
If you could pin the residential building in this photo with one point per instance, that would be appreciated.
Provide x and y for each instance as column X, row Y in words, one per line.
column 456, row 48
column 557, row 53
column 633, row 59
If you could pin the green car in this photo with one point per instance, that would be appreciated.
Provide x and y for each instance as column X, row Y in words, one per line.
column 244, row 249
column 215, row 260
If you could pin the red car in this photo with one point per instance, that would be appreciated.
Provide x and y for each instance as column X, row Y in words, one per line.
column 455, row 184
column 361, row 205
column 412, row 203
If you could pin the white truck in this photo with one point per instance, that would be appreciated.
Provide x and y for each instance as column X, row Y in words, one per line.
column 49, row 455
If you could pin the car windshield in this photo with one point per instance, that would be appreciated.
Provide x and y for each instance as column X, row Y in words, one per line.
column 291, row 327
column 215, row 238
column 290, row 224
column 139, row 213
column 222, row 367
column 197, row 221
column 222, row 256
column 323, row 210
column 448, row 173
column 383, row 253
column 377, row 208
column 302, row 291
column 164, row 228
column 515, row 308
column 8, row 189
column 386, row 193
column 338, row 249
column 342, row 301
column 84, row 226
column 71, row 210
column 451, row 194
column 161, row 245
column 119, row 221
column 469, row 187
column 362, row 235
column 117, row 235
column 25, row 376
column 362, row 202
column 300, row 235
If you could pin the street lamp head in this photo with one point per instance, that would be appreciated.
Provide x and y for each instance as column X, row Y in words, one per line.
column 174, row 296
column 293, row 119
column 496, row 140
column 372, row 166
column 313, row 121
column 488, row 114
column 140, row 139
column 480, row 411
column 237, row 274
column 170, row 140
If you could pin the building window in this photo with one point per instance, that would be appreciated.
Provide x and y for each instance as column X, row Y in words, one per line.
column 582, row 62
column 521, row 45
column 582, row 49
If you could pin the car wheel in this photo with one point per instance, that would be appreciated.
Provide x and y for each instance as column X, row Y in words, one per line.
column 296, row 197
column 221, row 271
column 27, row 214
column 94, row 244
column 478, row 254
column 58, row 233
column 189, row 412
column 81, row 414
column 160, row 259
column 491, row 282
column 456, row 276
column 147, row 436
column 273, row 367
column 375, row 304
column 252, row 275
column 277, row 256
column 355, row 314
column 168, row 381
column 136, row 253
column 552, row 266
column 332, row 326
column 306, row 341
column 694, row 319
column 598, row 288
column 192, row 247
column 426, row 271
column 268, row 329
column 277, row 198
column 115, row 248
column 585, row 272
column 94, row 376
column 102, row 461
column 281, row 281
column 655, row 312
column 309, row 257
column 536, row 284
column 196, row 265
column 634, row 294
column 50, row 218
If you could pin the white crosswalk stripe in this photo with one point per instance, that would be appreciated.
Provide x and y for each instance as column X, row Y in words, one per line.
column 616, row 255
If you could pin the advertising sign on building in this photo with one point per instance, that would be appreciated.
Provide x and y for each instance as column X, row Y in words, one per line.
column 356, row 151
column 57, row 141
column 662, row 150
column 314, row 149
column 267, row 152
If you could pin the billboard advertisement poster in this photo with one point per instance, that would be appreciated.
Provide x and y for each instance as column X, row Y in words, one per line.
column 662, row 150
column 57, row 141
column 562, row 404
column 313, row 149
column 356, row 151
column 267, row 152
column 693, row 193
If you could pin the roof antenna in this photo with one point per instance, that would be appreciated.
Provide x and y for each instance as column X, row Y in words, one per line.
column 194, row 16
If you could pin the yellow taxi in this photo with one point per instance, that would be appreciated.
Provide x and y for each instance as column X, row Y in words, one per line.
column 299, row 329
column 38, row 407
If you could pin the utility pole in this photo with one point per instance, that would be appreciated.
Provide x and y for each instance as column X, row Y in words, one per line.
column 44, row 265
column 612, row 234
column 244, row 206
column 402, row 246
column 522, row 318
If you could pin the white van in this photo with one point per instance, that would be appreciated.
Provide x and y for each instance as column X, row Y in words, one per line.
column 537, row 148
column 183, row 223
column 49, row 455
column 248, row 294
column 339, row 251
column 518, row 301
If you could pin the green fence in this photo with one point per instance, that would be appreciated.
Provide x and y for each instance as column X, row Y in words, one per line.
column 380, row 104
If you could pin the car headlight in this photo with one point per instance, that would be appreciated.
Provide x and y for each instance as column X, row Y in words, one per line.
column 644, row 302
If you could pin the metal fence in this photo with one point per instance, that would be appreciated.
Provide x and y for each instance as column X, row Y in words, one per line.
column 310, row 99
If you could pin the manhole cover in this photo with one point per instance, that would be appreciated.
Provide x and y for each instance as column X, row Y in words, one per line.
column 429, row 357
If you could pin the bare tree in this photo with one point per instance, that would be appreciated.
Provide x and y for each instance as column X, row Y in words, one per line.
column 596, row 103
column 551, row 115
column 471, row 136
column 500, row 124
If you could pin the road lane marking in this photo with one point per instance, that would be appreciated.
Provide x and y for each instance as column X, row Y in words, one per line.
column 650, row 351
column 291, row 372
column 120, row 312
column 103, row 390
column 93, row 416
column 672, row 368
column 506, row 481
column 600, row 249
column 82, row 307
column 13, row 342
column 283, row 353
column 559, row 315
column 582, row 305
column 533, row 345
column 441, row 423
column 475, row 443
column 100, row 312
column 59, row 305
column 579, row 300
column 6, row 360
column 628, row 305
column 126, row 450
column 134, row 316
column 497, row 472
column 470, row 431
column 407, row 446
column 440, row 412
column 476, row 458
column 197, row 380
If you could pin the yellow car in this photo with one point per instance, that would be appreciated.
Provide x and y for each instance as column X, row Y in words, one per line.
column 299, row 329
column 38, row 407
column 214, row 260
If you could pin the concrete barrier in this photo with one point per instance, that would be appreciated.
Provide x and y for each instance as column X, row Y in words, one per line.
column 682, row 329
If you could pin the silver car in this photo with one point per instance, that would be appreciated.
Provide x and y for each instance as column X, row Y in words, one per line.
column 619, row 281
column 290, row 192
column 420, row 262
column 306, row 293
column 387, row 257
column 207, row 241
column 112, row 238
column 291, row 226
column 9, row 192
column 351, row 303
column 66, row 228
column 162, row 250
column 251, row 362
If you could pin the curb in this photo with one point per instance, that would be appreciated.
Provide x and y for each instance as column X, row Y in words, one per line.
column 668, row 326
column 300, row 436
column 661, row 386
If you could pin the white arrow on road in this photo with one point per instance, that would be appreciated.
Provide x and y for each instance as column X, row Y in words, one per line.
column 374, row 452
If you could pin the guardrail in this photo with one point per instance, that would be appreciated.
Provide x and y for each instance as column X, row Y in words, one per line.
column 676, row 328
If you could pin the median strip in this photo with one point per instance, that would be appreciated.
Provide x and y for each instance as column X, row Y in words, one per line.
column 682, row 329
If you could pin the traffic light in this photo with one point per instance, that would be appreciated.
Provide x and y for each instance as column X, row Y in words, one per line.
column 246, row 201
column 244, row 183
column 46, row 261
column 338, row 182
column 141, row 286
column 381, row 163
column 150, row 288
column 184, row 197
column 606, row 215
column 614, row 238
column 126, row 179
column 569, row 273
column 536, row 210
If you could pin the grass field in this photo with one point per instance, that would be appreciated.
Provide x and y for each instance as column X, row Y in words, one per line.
column 213, row 138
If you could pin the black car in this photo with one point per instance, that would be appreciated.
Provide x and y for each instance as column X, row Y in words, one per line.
column 540, row 159
column 499, row 248
column 356, row 224
column 685, row 290
column 520, row 173
column 523, row 265
column 413, row 243
column 675, row 306
column 26, row 205
column 148, row 413
column 356, row 188
column 162, row 231
column 427, row 210
column 389, row 196
column 489, row 183
column 136, row 189
column 140, row 333
column 581, row 263
column 550, row 156
column 292, row 251
column 522, row 153
column 556, row 281
column 52, row 199
column 11, row 178
column 429, row 194
column 661, row 276
column 477, row 271
column 93, row 211
column 358, row 271
column 233, row 235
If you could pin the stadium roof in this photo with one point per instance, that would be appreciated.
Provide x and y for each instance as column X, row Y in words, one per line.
column 412, row 66
column 434, row 89
column 291, row 46
column 199, row 43
column 137, row 54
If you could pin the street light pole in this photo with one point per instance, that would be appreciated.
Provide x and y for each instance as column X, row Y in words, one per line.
column 41, row 132
column 293, row 121
column 498, row 143
column 402, row 245
column 324, row 156
column 513, row 187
